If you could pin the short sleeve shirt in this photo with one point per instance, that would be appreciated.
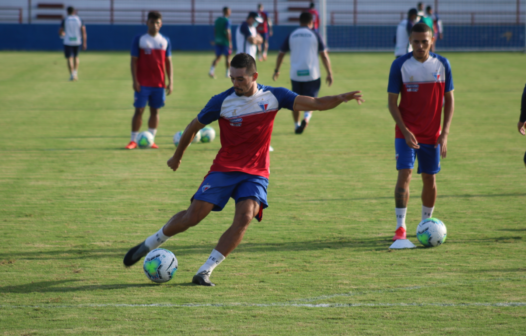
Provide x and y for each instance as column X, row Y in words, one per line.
column 151, row 52
column 221, row 26
column 304, row 45
column 72, row 26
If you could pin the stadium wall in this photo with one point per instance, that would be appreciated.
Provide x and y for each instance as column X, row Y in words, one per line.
column 199, row 38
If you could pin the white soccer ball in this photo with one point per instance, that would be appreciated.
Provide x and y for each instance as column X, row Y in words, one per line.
column 160, row 265
column 431, row 232
column 145, row 139
column 208, row 134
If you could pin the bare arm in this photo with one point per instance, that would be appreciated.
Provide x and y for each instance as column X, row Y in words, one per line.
column 84, row 38
column 410, row 138
column 304, row 103
column 188, row 135
column 229, row 35
column 256, row 39
column 449, row 109
column 327, row 64
column 279, row 60
column 133, row 65
column 61, row 32
column 170, row 75
column 270, row 30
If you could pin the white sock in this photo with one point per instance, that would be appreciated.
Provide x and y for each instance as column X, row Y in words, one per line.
column 155, row 240
column 298, row 124
column 134, row 136
column 427, row 212
column 307, row 116
column 400, row 217
column 215, row 259
column 212, row 68
column 153, row 131
column 227, row 73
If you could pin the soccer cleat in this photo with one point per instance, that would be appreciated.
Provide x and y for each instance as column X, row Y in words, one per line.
column 202, row 279
column 71, row 78
column 154, row 146
column 301, row 127
column 211, row 74
column 131, row 145
column 399, row 234
column 135, row 254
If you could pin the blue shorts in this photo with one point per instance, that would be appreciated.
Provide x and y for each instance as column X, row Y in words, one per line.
column 309, row 89
column 71, row 51
column 428, row 157
column 218, row 187
column 153, row 95
column 222, row 50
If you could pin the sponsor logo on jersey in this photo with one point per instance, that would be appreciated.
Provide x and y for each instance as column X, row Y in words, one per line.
column 236, row 122
column 412, row 87
column 206, row 187
column 147, row 51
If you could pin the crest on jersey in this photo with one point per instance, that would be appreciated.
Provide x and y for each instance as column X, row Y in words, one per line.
column 206, row 187
column 436, row 75
column 263, row 105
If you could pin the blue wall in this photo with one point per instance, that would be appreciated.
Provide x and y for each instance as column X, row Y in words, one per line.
column 119, row 37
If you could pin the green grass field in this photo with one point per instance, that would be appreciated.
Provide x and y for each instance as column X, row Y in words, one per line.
column 73, row 202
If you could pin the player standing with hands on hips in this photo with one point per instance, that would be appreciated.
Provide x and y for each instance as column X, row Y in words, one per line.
column 424, row 80
column 151, row 56
column 245, row 113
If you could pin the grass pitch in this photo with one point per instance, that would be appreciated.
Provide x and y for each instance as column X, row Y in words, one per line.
column 73, row 202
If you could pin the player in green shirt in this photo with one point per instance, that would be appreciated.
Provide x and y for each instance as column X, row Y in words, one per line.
column 223, row 41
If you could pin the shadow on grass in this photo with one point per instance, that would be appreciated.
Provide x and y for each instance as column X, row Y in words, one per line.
column 51, row 286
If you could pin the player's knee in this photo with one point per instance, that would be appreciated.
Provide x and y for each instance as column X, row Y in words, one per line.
column 428, row 179
column 244, row 218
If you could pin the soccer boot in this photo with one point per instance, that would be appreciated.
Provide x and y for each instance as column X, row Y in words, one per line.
column 301, row 127
column 131, row 145
column 135, row 254
column 154, row 146
column 202, row 279
column 399, row 234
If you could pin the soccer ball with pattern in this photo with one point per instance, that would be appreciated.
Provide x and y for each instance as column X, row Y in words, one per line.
column 160, row 265
column 431, row 232
column 178, row 135
column 208, row 134
column 145, row 139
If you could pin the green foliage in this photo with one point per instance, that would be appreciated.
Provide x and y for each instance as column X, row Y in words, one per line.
column 73, row 201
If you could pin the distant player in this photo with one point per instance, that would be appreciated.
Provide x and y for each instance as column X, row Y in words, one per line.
column 223, row 41
column 73, row 31
column 315, row 16
column 151, row 56
column 424, row 80
column 240, row 170
column 247, row 38
column 264, row 29
column 304, row 45
column 403, row 46
column 522, row 119
column 437, row 26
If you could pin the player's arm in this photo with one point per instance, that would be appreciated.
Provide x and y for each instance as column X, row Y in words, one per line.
column 84, row 38
column 410, row 138
column 522, row 119
column 304, row 103
column 229, row 36
column 327, row 64
column 449, row 108
column 170, row 74
column 270, row 30
column 61, row 32
column 133, row 66
column 279, row 60
column 188, row 135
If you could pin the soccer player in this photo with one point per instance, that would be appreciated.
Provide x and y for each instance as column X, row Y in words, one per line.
column 240, row 170
column 316, row 17
column 247, row 38
column 73, row 31
column 425, row 82
column 437, row 26
column 223, row 41
column 304, row 45
column 151, row 56
column 402, row 46
column 265, row 30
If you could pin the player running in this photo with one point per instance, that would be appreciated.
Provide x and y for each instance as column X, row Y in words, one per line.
column 73, row 31
column 240, row 170
column 424, row 80
column 264, row 29
column 151, row 56
column 247, row 38
column 223, row 41
column 304, row 45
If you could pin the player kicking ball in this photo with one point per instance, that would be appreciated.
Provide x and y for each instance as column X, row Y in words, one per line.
column 151, row 56
column 425, row 82
column 240, row 170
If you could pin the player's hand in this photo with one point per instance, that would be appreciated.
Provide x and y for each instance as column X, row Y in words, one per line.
column 410, row 140
column 275, row 76
column 84, row 46
column 136, row 87
column 328, row 80
column 441, row 36
column 521, row 126
column 270, row 33
column 352, row 95
column 442, row 141
column 173, row 163
column 169, row 89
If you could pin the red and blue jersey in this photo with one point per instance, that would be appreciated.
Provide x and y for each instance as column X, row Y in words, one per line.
column 151, row 52
column 262, row 28
column 245, row 125
column 422, row 87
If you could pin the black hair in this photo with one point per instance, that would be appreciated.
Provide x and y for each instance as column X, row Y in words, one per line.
column 412, row 12
column 306, row 18
column 154, row 15
column 421, row 28
column 311, row 4
column 260, row 5
column 71, row 10
column 428, row 8
column 243, row 60
column 225, row 9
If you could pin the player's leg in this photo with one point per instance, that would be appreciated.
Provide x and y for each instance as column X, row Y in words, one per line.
column 428, row 166
column 76, row 62
column 218, row 49
column 180, row 222
column 405, row 159
column 156, row 102
column 310, row 89
column 69, row 60
column 227, row 62
column 265, row 46
column 297, row 88
column 141, row 98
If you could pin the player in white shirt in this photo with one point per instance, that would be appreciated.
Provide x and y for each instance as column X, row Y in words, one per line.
column 73, row 31
column 402, row 33
column 304, row 45
column 247, row 38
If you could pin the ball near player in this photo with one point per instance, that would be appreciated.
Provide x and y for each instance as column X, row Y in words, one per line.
column 424, row 81
column 245, row 114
